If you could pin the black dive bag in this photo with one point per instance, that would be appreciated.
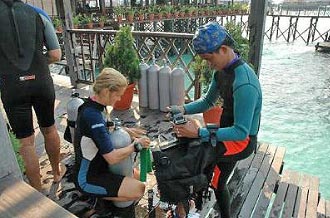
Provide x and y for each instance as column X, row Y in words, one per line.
column 183, row 170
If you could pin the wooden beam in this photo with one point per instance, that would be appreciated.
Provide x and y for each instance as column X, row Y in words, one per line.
column 8, row 163
column 102, row 7
column 257, row 21
column 19, row 199
column 64, row 10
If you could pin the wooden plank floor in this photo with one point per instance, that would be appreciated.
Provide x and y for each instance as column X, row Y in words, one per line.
column 258, row 189
column 18, row 199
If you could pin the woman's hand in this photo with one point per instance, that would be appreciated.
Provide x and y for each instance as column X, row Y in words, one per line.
column 144, row 141
column 188, row 130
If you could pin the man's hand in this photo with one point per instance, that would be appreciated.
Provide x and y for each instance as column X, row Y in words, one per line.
column 175, row 109
column 188, row 130
column 135, row 132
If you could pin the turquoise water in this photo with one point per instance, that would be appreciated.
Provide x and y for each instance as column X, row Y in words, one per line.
column 296, row 107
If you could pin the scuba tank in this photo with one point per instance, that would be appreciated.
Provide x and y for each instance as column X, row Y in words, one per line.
column 120, row 139
column 153, row 92
column 143, row 85
column 177, row 86
column 72, row 111
column 164, row 87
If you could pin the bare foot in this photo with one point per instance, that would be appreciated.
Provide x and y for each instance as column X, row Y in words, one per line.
column 58, row 177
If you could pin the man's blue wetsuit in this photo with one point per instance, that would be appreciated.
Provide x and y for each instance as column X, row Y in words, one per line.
column 240, row 89
column 93, row 140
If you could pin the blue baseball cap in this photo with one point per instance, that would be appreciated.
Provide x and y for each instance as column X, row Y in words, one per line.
column 209, row 37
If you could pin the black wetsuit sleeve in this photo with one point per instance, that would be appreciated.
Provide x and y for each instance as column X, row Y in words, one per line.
column 96, row 129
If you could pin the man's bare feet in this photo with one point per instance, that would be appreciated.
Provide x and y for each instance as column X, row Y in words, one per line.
column 58, row 177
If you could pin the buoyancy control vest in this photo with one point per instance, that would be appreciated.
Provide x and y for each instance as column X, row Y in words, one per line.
column 21, row 40
column 184, row 170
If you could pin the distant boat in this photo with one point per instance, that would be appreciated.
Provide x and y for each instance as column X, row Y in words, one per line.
column 323, row 46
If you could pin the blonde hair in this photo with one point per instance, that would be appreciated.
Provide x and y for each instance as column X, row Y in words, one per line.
column 110, row 79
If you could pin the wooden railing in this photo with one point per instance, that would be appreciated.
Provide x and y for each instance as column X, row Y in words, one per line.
column 176, row 48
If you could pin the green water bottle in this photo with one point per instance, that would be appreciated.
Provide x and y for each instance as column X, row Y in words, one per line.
column 145, row 164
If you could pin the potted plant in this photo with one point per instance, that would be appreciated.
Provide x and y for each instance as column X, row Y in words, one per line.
column 58, row 24
column 77, row 20
column 168, row 11
column 102, row 20
column 119, row 11
column 130, row 14
column 122, row 56
column 88, row 20
column 140, row 14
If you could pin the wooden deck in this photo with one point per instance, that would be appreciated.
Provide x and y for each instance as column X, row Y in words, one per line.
column 259, row 185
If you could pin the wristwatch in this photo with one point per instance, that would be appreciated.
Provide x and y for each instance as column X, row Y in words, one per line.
column 137, row 146
column 213, row 139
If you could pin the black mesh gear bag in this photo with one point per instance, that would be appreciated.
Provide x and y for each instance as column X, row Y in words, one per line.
column 183, row 170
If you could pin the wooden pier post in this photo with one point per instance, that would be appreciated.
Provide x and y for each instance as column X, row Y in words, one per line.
column 257, row 20
column 64, row 10
column 272, row 28
column 277, row 26
column 289, row 30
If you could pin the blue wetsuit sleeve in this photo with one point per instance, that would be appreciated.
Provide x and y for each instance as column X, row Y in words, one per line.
column 205, row 102
column 51, row 41
column 98, row 130
column 245, row 101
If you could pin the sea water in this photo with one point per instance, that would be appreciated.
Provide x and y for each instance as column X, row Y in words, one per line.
column 295, row 81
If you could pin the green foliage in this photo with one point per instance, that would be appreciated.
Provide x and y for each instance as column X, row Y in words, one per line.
column 78, row 19
column 242, row 44
column 122, row 56
column 87, row 19
column 119, row 10
column 57, row 22
column 130, row 10
column 16, row 146
column 103, row 18
column 202, row 71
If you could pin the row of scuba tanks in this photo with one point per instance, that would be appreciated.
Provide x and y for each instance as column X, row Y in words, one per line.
column 160, row 87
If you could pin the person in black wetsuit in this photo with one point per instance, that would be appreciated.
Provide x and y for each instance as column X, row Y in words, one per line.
column 95, row 150
column 237, row 84
column 26, row 83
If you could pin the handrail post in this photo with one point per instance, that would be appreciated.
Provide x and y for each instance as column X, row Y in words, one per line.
column 257, row 20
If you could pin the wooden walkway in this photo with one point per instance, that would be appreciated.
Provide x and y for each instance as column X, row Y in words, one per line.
column 259, row 185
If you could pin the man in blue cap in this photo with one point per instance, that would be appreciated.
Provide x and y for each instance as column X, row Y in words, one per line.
column 26, row 82
column 237, row 84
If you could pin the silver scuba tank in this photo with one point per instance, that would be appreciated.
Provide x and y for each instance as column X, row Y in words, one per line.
column 153, row 92
column 177, row 86
column 143, row 85
column 164, row 86
column 72, row 111
column 120, row 139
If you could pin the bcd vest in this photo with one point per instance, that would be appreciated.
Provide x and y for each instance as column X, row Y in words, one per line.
column 183, row 170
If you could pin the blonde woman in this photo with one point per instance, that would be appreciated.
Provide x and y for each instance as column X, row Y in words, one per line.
column 96, row 150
